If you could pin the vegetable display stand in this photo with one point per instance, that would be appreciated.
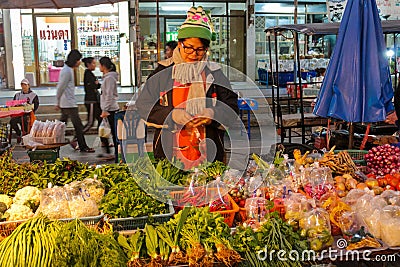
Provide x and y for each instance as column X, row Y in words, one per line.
column 124, row 224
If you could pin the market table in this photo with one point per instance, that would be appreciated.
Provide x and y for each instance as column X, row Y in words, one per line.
column 10, row 113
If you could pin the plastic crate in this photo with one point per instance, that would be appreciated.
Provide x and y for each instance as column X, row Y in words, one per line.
column 356, row 155
column 88, row 221
column 48, row 155
column 229, row 215
column 124, row 224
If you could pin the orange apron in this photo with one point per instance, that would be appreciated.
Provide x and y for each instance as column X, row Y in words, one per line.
column 188, row 144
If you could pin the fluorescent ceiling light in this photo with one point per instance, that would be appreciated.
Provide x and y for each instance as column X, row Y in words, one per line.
column 175, row 8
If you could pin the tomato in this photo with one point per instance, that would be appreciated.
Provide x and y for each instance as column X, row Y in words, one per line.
column 397, row 175
column 394, row 182
column 398, row 187
column 371, row 175
column 389, row 177
column 382, row 181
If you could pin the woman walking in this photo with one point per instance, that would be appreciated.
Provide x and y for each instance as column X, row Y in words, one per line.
column 109, row 98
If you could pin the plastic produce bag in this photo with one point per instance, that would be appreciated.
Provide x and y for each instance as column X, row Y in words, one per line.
column 294, row 205
column 372, row 219
column 349, row 223
column 54, row 203
column 217, row 196
column 353, row 196
column 94, row 188
column 104, row 128
column 316, row 226
column 257, row 208
column 317, row 181
column 389, row 229
column 79, row 201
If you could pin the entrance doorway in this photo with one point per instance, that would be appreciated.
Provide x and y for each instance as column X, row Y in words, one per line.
column 54, row 43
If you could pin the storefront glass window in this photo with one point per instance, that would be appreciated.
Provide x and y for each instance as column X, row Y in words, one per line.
column 97, row 36
column 174, row 8
column 236, row 6
column 148, row 8
column 54, row 43
column 217, row 9
column 28, row 49
column 148, row 47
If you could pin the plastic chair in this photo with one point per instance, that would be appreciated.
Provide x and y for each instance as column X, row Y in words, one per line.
column 127, row 125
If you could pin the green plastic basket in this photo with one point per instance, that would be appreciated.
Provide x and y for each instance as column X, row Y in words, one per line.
column 88, row 221
column 356, row 155
column 48, row 155
column 124, row 224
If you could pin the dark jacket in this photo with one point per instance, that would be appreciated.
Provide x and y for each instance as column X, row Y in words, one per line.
column 148, row 104
column 92, row 95
column 31, row 96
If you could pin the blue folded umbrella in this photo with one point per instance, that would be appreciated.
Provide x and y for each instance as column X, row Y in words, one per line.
column 357, row 86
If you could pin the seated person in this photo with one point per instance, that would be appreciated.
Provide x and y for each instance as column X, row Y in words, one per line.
column 32, row 98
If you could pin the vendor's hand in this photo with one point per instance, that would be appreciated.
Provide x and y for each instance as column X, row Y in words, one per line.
column 204, row 118
column 104, row 114
column 180, row 116
column 391, row 118
column 57, row 107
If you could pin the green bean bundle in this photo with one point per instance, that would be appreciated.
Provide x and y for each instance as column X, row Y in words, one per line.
column 31, row 244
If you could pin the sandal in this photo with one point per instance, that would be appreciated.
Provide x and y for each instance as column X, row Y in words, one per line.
column 88, row 150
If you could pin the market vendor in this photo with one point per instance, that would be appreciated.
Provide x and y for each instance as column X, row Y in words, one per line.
column 188, row 98
column 31, row 98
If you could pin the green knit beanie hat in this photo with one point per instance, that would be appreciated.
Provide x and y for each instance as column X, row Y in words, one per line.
column 197, row 24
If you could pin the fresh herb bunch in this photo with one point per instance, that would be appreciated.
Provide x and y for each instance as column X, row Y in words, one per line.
column 127, row 199
column 275, row 235
column 77, row 245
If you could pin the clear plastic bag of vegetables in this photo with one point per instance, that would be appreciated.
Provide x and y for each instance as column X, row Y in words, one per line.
column 390, row 225
column 294, row 207
column 349, row 223
column 94, row 188
column 233, row 178
column 388, row 195
column 317, row 181
column 80, row 203
column 54, row 203
column 275, row 182
column 354, row 195
column 217, row 196
column 256, row 209
column 316, row 226
column 372, row 220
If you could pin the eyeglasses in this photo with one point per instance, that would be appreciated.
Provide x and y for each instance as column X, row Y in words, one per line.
column 189, row 50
